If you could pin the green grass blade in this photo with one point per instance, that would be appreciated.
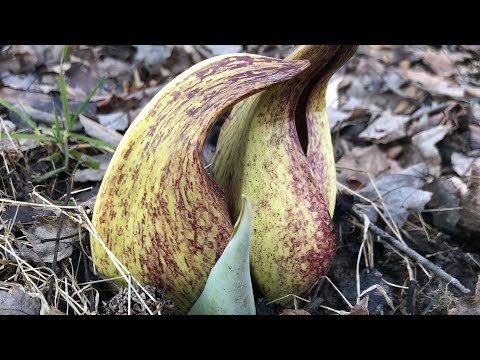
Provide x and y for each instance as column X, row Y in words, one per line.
column 57, row 125
column 62, row 203
column 49, row 174
column 85, row 159
column 66, row 153
column 22, row 115
column 85, row 102
column 50, row 131
column 64, row 53
column 52, row 173
column 28, row 136
column 45, row 129
column 63, row 90
column 92, row 141
column 52, row 157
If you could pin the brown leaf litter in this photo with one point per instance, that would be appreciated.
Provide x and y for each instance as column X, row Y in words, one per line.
column 17, row 302
column 405, row 124
column 470, row 213
column 46, row 227
column 468, row 305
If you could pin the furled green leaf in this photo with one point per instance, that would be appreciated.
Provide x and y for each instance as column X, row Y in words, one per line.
column 228, row 290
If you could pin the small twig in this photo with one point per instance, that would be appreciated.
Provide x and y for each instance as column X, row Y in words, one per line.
column 339, row 292
column 286, row 296
column 23, row 203
column 313, row 305
column 357, row 269
column 57, row 245
column 394, row 285
column 63, row 237
column 473, row 259
column 412, row 286
column 129, row 298
column 103, row 279
column 317, row 288
column 87, row 275
column 413, row 254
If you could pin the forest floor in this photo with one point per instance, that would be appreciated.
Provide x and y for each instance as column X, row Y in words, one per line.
column 405, row 123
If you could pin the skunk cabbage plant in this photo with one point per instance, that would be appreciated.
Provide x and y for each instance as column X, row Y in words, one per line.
column 169, row 222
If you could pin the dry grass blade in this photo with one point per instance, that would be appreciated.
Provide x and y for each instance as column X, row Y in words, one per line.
column 365, row 238
column 118, row 265
column 415, row 256
column 79, row 298
column 382, row 291
column 8, row 134
column 336, row 288
column 37, row 279
column 287, row 296
column 49, row 205
column 391, row 226
column 57, row 245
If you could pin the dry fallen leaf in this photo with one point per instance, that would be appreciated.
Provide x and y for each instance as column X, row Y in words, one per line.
column 401, row 192
column 223, row 49
column 294, row 312
column 366, row 159
column 447, row 193
column 54, row 311
column 18, row 302
column 29, row 255
column 361, row 307
column 21, row 145
column 470, row 213
column 38, row 115
column 474, row 136
column 336, row 117
column 404, row 107
column 114, row 121
column 333, row 88
column 18, row 82
column 434, row 84
column 356, row 88
column 94, row 174
column 468, row 305
column 351, row 111
column 46, row 227
column 7, row 126
column 462, row 164
column 443, row 63
column 110, row 67
column 22, row 214
column 424, row 143
column 100, row 132
column 473, row 48
column 153, row 56
column 38, row 55
column 473, row 91
column 386, row 128
column 89, row 204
